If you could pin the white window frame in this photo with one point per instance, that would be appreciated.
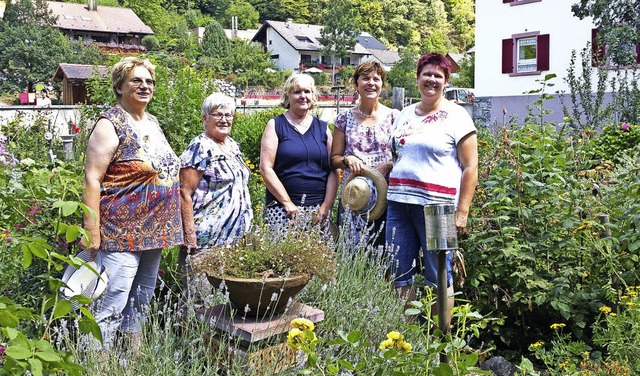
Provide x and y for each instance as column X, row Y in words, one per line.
column 526, row 65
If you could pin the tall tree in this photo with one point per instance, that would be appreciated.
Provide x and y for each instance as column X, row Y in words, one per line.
column 340, row 31
column 461, row 15
column 403, row 74
column 247, row 15
column 435, row 35
column 281, row 10
column 618, row 22
column 31, row 49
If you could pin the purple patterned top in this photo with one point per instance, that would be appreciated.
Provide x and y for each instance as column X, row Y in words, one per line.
column 369, row 143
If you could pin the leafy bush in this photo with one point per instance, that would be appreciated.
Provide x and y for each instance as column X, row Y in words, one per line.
column 613, row 140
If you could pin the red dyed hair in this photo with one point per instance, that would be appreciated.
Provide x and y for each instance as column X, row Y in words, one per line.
column 435, row 59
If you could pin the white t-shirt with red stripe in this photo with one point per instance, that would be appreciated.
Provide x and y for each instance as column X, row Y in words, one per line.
column 425, row 158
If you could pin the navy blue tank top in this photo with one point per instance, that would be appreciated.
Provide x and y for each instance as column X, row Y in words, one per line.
column 302, row 162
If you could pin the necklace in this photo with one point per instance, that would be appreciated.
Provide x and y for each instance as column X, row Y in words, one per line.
column 372, row 114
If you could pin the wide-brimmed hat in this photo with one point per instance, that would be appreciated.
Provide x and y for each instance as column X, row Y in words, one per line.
column 84, row 280
column 365, row 194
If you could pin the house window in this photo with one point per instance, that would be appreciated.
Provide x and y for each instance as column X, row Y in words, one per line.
column 304, row 39
column 525, row 54
column 305, row 59
column 275, row 56
column 346, row 61
column 520, row 2
column 270, row 41
column 599, row 53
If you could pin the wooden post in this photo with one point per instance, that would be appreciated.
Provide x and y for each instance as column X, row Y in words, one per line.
column 397, row 100
column 604, row 220
column 443, row 299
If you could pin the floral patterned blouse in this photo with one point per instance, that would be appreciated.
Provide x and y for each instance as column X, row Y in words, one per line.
column 369, row 143
column 221, row 203
column 139, row 195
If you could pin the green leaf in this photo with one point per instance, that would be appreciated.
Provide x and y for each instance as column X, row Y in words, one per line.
column 38, row 250
column 346, row 365
column 8, row 319
column 354, row 336
column 62, row 309
column 49, row 356
column 18, row 351
column 72, row 233
column 69, row 207
column 333, row 369
column 443, row 369
column 35, row 366
column 11, row 333
column 89, row 325
column 27, row 256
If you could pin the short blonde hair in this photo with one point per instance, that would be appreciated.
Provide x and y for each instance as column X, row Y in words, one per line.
column 122, row 70
column 295, row 80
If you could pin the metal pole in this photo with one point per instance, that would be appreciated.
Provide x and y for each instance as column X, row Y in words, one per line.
column 443, row 323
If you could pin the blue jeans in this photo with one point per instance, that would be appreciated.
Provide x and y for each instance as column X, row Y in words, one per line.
column 132, row 281
column 406, row 234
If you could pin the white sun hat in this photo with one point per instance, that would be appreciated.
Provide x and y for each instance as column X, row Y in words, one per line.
column 84, row 280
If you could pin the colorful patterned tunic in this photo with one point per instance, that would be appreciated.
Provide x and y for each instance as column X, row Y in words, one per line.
column 139, row 195
column 221, row 203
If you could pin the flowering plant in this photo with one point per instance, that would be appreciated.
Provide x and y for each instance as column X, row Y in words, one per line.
column 262, row 254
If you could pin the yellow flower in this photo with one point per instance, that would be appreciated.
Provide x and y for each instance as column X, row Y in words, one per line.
column 557, row 326
column 396, row 336
column 404, row 346
column 631, row 304
column 633, row 293
column 295, row 338
column 624, row 297
column 536, row 345
column 386, row 344
column 605, row 309
column 302, row 324
column 613, row 314
column 585, row 355
column 564, row 364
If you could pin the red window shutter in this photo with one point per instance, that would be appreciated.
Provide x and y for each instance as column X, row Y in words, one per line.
column 597, row 50
column 638, row 53
column 506, row 1
column 543, row 52
column 507, row 55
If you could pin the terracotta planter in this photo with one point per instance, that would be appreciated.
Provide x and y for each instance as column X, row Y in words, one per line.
column 258, row 294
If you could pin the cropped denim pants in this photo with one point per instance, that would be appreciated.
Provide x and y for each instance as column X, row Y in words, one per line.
column 124, row 304
column 406, row 235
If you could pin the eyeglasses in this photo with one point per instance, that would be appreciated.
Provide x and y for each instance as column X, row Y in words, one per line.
column 137, row 82
column 219, row 116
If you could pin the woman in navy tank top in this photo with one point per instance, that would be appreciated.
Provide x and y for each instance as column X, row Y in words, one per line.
column 294, row 158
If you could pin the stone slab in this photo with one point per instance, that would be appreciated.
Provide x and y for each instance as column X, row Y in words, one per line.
column 252, row 329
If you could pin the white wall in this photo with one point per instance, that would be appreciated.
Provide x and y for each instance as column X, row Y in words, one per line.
column 289, row 58
column 496, row 21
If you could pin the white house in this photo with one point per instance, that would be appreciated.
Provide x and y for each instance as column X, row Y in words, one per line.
column 297, row 46
column 519, row 42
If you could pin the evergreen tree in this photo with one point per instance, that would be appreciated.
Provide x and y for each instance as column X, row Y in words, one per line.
column 461, row 15
column 403, row 74
column 215, row 43
column 247, row 15
column 435, row 35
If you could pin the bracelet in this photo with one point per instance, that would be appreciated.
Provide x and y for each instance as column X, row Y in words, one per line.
column 344, row 161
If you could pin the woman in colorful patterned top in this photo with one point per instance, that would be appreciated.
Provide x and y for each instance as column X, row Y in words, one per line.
column 294, row 158
column 361, row 137
column 435, row 161
column 214, row 180
column 132, row 186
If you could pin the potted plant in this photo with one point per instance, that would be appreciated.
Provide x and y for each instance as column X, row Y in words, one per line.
column 264, row 271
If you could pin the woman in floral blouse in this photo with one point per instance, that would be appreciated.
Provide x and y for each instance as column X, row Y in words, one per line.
column 361, row 138
column 216, row 207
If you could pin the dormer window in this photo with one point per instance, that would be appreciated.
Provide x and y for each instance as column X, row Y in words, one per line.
column 69, row 17
column 304, row 39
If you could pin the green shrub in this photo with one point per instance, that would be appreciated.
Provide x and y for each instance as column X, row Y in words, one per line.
column 613, row 140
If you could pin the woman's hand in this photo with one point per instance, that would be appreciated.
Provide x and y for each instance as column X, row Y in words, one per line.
column 291, row 209
column 354, row 163
column 323, row 214
column 384, row 168
column 461, row 222
column 94, row 247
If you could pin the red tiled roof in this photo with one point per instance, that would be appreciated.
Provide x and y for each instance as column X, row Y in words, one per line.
column 79, row 71
column 72, row 16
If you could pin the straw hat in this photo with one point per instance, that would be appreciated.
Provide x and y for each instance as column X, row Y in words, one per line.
column 365, row 194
